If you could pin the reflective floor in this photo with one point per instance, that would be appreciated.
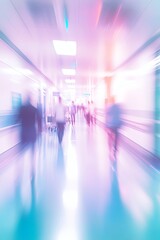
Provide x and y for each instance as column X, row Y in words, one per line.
column 77, row 193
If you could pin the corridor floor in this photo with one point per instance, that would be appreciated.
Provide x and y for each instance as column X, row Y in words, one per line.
column 76, row 193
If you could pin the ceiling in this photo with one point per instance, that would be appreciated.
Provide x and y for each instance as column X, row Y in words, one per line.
column 107, row 32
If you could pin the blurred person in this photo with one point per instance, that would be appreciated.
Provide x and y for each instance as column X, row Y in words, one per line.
column 39, row 109
column 113, row 124
column 30, row 119
column 92, row 113
column 60, row 117
column 73, row 113
column 88, row 113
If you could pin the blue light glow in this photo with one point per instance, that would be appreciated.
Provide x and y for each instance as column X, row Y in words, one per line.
column 65, row 14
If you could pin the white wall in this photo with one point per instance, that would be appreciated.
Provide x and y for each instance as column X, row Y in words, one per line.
column 134, row 88
column 9, row 138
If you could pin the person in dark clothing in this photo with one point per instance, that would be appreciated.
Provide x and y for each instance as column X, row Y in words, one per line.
column 39, row 118
column 88, row 114
column 29, row 118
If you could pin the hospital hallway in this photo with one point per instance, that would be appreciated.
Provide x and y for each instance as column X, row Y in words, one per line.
column 76, row 192
column 95, row 63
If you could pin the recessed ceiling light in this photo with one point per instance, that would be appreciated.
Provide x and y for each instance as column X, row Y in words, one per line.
column 71, row 72
column 65, row 47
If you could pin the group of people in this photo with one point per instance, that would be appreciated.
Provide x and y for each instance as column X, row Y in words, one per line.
column 31, row 121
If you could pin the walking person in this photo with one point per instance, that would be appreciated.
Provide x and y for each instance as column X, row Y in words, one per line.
column 92, row 113
column 88, row 114
column 30, row 120
column 113, row 124
column 60, row 117
column 73, row 113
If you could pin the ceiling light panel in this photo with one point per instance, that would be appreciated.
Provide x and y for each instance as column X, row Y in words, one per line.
column 68, row 48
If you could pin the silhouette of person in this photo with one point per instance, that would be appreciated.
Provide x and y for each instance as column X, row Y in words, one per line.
column 73, row 113
column 92, row 113
column 60, row 117
column 113, row 124
column 30, row 119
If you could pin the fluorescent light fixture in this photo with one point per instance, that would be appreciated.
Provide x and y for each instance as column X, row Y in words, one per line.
column 70, row 80
column 65, row 47
column 71, row 72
